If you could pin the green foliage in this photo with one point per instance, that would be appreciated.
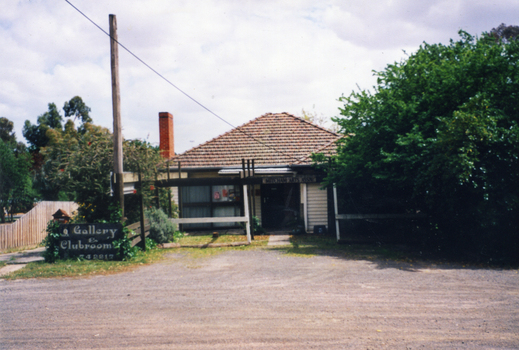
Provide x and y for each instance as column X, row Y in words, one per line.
column 51, row 242
column 36, row 134
column 150, row 243
column 6, row 130
column 49, row 130
column 161, row 229
column 256, row 225
column 15, row 179
column 125, row 251
column 75, row 164
column 440, row 133
column 164, row 204
column 142, row 156
column 80, row 164
column 505, row 33
column 78, row 109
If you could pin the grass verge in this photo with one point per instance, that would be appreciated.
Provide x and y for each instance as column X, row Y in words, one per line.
column 78, row 268
column 82, row 268
column 310, row 245
column 20, row 249
column 195, row 253
column 206, row 239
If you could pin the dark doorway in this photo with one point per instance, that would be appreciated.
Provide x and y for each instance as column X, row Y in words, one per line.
column 279, row 205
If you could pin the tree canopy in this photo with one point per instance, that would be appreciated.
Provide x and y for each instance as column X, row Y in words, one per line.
column 76, row 163
column 15, row 172
column 6, row 130
column 441, row 130
column 36, row 134
column 78, row 166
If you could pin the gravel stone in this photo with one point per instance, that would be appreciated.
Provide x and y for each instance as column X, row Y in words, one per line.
column 264, row 299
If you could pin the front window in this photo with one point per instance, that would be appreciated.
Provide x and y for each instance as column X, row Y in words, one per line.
column 211, row 201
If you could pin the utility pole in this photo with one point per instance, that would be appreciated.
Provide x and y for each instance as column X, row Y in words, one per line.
column 116, row 104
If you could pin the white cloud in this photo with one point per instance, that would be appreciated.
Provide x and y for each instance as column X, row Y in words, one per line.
column 241, row 59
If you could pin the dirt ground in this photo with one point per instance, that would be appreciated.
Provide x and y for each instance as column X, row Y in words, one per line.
column 264, row 299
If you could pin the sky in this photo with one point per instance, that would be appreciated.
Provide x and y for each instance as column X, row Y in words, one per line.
column 239, row 59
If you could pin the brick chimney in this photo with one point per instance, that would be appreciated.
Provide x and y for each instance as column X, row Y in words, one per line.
column 167, row 145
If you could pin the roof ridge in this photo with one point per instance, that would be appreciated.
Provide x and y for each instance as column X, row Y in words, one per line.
column 272, row 137
column 239, row 129
column 217, row 137
column 319, row 149
column 317, row 126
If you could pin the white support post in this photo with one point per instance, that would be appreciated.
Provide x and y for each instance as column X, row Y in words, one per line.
column 336, row 210
column 305, row 204
column 247, row 213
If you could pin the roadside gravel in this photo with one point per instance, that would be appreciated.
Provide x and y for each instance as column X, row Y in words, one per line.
column 265, row 299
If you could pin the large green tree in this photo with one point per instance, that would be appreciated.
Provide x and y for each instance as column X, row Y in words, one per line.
column 36, row 134
column 8, row 135
column 440, row 131
column 80, row 164
column 15, row 172
column 49, row 128
column 6, row 130
column 76, row 163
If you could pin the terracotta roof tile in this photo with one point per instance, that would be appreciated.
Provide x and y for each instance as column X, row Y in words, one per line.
column 272, row 139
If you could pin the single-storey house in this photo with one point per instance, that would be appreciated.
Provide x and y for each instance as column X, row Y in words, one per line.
column 274, row 149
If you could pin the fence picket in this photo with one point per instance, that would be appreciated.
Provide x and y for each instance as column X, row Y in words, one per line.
column 30, row 228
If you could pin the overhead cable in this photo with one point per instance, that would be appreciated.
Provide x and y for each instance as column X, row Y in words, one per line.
column 176, row 87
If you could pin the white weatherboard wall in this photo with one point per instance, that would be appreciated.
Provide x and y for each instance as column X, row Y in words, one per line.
column 174, row 195
column 317, row 206
column 257, row 208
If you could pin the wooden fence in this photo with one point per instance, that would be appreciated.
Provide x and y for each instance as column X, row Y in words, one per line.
column 30, row 228
column 136, row 227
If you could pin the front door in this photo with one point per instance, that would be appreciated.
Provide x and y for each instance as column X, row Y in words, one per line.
column 280, row 205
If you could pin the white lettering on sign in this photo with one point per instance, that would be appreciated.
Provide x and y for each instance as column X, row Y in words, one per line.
column 78, row 246
column 91, row 230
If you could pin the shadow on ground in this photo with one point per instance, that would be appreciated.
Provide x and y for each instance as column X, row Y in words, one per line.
column 407, row 258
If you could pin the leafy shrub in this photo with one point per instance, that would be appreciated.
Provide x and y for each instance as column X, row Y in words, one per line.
column 257, row 225
column 51, row 242
column 161, row 229
column 125, row 251
column 150, row 243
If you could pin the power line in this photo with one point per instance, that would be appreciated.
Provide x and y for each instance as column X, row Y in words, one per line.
column 176, row 87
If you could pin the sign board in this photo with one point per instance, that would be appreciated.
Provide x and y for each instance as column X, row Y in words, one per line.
column 89, row 241
column 290, row 179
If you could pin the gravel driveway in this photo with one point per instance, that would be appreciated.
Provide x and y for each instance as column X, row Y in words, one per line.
column 264, row 299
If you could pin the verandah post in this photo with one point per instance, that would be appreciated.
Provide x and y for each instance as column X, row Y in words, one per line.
column 250, row 199
column 247, row 213
column 143, row 235
column 169, row 194
column 180, row 208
